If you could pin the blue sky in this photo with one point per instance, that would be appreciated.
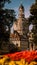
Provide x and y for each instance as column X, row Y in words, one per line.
column 16, row 3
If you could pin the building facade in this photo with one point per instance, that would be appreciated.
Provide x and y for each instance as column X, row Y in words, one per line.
column 21, row 27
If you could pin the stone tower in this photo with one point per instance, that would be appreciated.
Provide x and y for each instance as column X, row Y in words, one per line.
column 21, row 18
column 21, row 25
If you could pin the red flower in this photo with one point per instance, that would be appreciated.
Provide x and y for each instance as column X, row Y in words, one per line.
column 27, row 55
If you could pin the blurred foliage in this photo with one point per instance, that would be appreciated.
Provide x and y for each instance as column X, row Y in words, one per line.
column 2, row 3
column 33, row 19
column 7, row 17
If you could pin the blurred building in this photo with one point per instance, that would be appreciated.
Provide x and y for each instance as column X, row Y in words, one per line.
column 21, row 28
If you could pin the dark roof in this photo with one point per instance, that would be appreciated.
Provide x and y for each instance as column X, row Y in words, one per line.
column 21, row 6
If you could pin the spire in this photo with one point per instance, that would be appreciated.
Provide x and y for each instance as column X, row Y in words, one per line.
column 22, row 7
column 21, row 11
